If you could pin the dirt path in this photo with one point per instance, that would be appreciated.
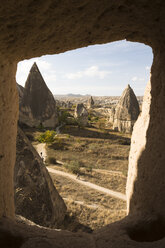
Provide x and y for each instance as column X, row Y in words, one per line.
column 88, row 184
column 41, row 148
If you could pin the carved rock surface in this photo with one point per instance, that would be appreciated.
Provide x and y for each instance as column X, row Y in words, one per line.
column 126, row 112
column 38, row 104
column 36, row 198
column 81, row 114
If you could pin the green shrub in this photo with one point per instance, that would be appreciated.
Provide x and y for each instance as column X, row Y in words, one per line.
column 73, row 166
column 63, row 117
column 89, row 117
column 47, row 137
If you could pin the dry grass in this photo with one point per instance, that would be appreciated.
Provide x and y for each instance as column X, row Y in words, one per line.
column 117, row 182
column 92, row 148
column 97, row 149
column 94, row 218
column 95, row 209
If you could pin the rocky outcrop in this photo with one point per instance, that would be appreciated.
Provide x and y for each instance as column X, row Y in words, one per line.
column 36, row 198
column 38, row 105
column 90, row 103
column 126, row 112
column 21, row 90
column 81, row 114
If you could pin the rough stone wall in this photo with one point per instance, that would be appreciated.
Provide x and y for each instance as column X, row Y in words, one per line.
column 8, row 129
column 34, row 28
column 31, row 28
column 146, row 177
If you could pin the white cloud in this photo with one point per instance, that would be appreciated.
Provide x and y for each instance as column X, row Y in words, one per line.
column 148, row 68
column 134, row 79
column 92, row 71
column 46, row 69
column 75, row 75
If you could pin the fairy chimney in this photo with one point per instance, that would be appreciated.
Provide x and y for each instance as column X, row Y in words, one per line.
column 38, row 105
column 81, row 114
column 126, row 112
column 36, row 197
column 90, row 102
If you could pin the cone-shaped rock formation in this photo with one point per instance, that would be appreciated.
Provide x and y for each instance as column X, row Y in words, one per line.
column 38, row 104
column 36, row 198
column 90, row 102
column 81, row 114
column 126, row 112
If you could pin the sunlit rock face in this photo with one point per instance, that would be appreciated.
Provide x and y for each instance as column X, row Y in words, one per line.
column 36, row 197
column 126, row 112
column 81, row 114
column 37, row 105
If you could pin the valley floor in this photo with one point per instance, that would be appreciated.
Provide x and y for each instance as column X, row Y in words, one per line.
column 94, row 156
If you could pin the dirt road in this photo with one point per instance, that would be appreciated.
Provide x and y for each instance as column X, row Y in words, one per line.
column 88, row 184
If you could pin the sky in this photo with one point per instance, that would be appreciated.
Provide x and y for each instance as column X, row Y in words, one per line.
column 98, row 70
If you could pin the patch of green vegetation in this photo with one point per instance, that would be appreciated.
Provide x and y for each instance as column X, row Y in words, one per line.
column 64, row 116
column 47, row 137
column 73, row 166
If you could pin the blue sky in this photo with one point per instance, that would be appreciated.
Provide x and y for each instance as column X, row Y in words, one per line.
column 101, row 70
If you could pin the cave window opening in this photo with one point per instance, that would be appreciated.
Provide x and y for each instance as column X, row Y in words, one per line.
column 84, row 143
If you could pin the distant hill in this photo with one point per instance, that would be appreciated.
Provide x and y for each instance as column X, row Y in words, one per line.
column 71, row 95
